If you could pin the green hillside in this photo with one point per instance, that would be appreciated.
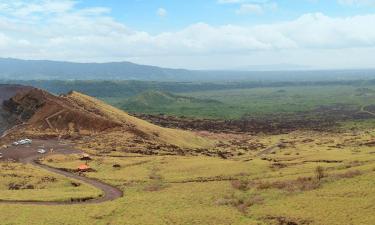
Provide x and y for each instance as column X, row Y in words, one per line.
column 155, row 102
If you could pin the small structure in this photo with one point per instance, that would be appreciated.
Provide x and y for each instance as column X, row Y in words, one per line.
column 83, row 168
column 86, row 157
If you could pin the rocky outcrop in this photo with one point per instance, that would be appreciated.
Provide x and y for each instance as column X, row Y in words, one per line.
column 42, row 110
column 7, row 119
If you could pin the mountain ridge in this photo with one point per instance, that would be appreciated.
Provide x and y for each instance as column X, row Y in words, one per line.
column 17, row 69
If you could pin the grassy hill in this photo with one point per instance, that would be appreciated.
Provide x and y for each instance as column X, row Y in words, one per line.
column 171, row 136
column 156, row 102
column 80, row 115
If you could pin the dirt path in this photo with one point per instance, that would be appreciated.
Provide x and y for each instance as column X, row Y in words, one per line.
column 269, row 149
column 363, row 110
column 109, row 192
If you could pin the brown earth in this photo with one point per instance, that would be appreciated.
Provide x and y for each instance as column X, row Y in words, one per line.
column 268, row 125
column 323, row 118
column 43, row 110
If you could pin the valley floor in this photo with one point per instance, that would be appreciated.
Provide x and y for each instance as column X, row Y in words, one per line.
column 297, row 178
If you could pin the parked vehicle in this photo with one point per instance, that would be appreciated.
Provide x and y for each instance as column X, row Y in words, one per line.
column 42, row 151
column 23, row 142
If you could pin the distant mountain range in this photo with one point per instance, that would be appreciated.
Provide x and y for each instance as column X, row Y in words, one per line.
column 16, row 69
column 43, row 69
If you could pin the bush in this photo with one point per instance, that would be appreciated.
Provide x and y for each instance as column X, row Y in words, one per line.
column 300, row 184
column 242, row 185
column 319, row 173
column 242, row 203
column 13, row 186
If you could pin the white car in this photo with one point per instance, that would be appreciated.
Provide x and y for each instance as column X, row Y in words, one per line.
column 28, row 141
column 23, row 142
column 42, row 151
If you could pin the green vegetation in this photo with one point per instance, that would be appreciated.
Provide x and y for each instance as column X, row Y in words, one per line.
column 254, row 102
column 223, row 100
column 156, row 102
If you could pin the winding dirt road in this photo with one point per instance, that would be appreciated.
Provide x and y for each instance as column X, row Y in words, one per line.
column 29, row 154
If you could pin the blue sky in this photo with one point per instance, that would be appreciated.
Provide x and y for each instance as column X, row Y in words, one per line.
column 141, row 14
column 196, row 34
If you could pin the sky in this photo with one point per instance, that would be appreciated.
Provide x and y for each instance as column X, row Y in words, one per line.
column 193, row 34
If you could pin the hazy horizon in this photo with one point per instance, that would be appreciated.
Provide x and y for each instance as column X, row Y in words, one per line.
column 245, row 68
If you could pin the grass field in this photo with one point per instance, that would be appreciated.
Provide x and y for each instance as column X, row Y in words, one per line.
column 311, row 178
column 252, row 102
column 25, row 182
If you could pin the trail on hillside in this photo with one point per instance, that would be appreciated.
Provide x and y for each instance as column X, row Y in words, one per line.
column 269, row 149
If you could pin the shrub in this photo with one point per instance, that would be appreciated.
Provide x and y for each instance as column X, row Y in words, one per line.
column 242, row 203
column 300, row 184
column 319, row 173
column 242, row 185
column 13, row 186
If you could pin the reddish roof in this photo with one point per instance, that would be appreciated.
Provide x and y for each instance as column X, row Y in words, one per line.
column 83, row 167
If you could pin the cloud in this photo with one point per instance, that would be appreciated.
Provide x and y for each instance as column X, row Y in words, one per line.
column 357, row 2
column 251, row 6
column 91, row 34
column 162, row 12
column 229, row 1
column 250, row 9
column 23, row 8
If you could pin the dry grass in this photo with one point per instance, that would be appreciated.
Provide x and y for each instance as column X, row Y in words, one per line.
column 24, row 182
column 192, row 190
column 183, row 139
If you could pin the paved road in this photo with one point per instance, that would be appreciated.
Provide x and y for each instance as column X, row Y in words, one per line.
column 29, row 154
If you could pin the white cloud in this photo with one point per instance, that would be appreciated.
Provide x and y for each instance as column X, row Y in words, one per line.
column 229, row 1
column 68, row 33
column 357, row 2
column 251, row 6
column 250, row 9
column 161, row 12
column 23, row 8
